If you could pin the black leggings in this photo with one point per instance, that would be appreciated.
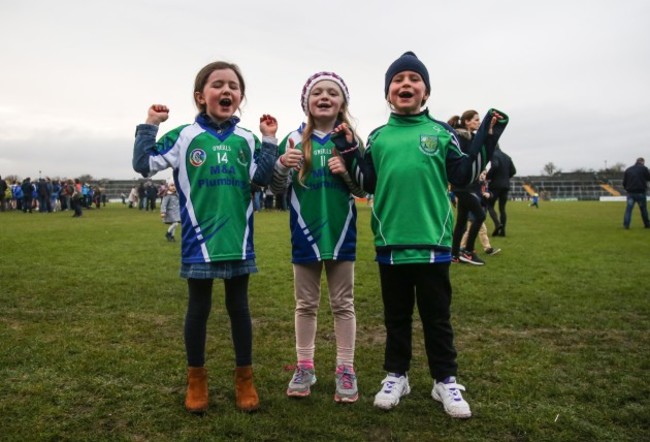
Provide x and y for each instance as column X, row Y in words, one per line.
column 467, row 202
column 198, row 310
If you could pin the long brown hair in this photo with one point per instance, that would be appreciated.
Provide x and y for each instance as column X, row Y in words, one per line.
column 459, row 122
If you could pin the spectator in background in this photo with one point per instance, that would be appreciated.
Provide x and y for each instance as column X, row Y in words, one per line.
column 170, row 211
column 268, row 198
column 3, row 189
column 501, row 170
column 27, row 189
column 18, row 195
column 635, row 182
column 54, row 197
column 468, row 199
column 152, row 194
column 142, row 196
column 133, row 197
column 77, row 198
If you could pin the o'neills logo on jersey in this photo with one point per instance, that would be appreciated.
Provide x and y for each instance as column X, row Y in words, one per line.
column 197, row 157
column 428, row 144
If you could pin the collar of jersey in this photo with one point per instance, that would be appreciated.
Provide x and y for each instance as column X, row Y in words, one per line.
column 320, row 140
column 220, row 130
column 408, row 120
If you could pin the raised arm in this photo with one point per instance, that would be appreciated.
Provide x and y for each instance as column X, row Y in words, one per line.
column 465, row 168
column 145, row 139
column 268, row 152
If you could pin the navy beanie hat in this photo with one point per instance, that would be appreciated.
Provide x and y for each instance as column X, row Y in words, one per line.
column 407, row 62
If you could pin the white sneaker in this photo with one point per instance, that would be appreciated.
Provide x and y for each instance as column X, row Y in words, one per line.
column 393, row 388
column 448, row 392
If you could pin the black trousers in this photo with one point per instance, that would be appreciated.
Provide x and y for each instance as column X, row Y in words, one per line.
column 500, row 195
column 198, row 311
column 467, row 202
column 429, row 285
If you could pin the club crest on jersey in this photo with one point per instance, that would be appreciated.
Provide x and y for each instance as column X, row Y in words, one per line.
column 429, row 144
column 197, row 157
column 241, row 158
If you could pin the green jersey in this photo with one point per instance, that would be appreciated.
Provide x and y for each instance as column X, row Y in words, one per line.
column 322, row 214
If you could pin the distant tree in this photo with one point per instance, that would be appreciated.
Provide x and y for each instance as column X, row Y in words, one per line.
column 86, row 178
column 618, row 167
column 582, row 170
column 550, row 169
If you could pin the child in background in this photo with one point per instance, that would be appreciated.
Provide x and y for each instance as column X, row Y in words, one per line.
column 214, row 162
column 407, row 165
column 323, row 230
column 170, row 210
column 484, row 195
column 535, row 201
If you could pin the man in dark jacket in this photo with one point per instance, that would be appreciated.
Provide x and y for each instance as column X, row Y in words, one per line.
column 501, row 170
column 28, row 190
column 635, row 182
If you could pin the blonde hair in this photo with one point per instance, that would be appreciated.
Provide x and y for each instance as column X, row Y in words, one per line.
column 342, row 117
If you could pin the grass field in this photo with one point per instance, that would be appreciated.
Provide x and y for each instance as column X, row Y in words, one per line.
column 553, row 336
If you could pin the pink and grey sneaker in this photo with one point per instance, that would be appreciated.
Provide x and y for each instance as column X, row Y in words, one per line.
column 346, row 384
column 301, row 382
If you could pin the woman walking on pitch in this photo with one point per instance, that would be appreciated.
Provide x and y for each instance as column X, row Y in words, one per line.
column 214, row 162
column 407, row 165
column 323, row 230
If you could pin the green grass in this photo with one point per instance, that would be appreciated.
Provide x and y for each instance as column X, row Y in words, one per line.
column 552, row 336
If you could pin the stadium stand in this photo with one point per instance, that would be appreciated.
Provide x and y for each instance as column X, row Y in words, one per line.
column 587, row 186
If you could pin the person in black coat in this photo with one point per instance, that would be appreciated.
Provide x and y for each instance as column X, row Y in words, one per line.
column 28, row 190
column 501, row 170
column 635, row 182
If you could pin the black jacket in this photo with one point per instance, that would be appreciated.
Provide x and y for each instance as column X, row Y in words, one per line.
column 501, row 171
column 636, row 178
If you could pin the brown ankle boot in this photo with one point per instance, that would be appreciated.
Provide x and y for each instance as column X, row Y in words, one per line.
column 245, row 393
column 196, row 399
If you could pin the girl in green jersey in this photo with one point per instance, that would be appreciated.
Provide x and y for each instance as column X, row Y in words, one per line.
column 214, row 162
column 323, row 230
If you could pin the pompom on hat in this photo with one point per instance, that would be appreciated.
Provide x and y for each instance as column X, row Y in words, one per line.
column 320, row 76
column 407, row 62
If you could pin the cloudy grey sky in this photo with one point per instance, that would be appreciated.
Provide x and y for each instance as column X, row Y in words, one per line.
column 76, row 76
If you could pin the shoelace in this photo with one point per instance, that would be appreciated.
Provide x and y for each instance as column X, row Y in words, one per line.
column 347, row 380
column 298, row 375
column 454, row 391
column 388, row 386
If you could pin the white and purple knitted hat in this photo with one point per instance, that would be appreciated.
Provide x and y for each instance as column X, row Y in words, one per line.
column 320, row 76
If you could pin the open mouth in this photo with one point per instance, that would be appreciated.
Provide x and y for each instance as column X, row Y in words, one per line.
column 405, row 94
column 225, row 102
column 324, row 105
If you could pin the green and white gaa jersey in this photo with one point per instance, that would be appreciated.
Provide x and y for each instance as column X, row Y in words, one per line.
column 412, row 217
column 322, row 214
column 213, row 171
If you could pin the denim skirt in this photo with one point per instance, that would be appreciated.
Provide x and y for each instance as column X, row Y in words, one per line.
column 218, row 270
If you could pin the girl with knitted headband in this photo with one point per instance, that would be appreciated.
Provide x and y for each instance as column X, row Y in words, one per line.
column 323, row 229
column 407, row 165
